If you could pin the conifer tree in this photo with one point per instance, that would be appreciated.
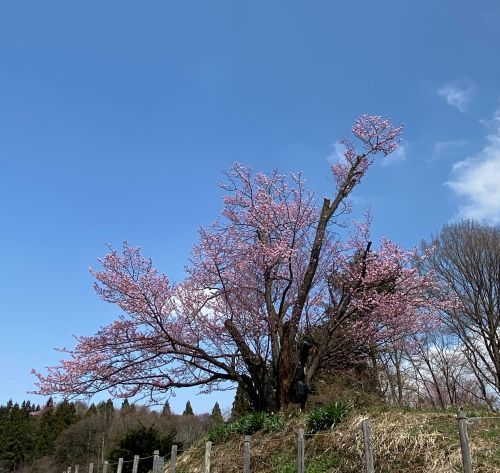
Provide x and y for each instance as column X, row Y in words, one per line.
column 141, row 441
column 92, row 410
column 241, row 404
column 217, row 414
column 16, row 435
column 166, row 411
column 107, row 409
column 188, row 411
column 127, row 408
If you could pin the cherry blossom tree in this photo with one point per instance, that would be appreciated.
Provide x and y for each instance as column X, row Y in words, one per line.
column 272, row 293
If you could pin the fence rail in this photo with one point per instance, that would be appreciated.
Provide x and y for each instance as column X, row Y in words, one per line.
column 159, row 463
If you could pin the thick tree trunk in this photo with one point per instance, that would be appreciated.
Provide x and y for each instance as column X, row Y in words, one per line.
column 294, row 383
column 299, row 386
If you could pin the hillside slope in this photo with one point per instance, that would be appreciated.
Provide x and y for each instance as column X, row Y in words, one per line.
column 403, row 441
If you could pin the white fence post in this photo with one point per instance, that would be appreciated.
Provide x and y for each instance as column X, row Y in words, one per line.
column 160, row 465
column 246, row 454
column 208, row 454
column 464, row 442
column 135, row 466
column 173, row 459
column 367, row 437
column 301, row 447
column 156, row 454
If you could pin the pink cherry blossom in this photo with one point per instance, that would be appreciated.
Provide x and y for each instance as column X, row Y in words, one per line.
column 269, row 286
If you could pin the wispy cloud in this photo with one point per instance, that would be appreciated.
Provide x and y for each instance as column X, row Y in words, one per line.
column 447, row 148
column 395, row 157
column 337, row 154
column 476, row 179
column 458, row 95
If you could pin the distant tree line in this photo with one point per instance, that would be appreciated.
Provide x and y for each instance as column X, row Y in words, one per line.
column 36, row 439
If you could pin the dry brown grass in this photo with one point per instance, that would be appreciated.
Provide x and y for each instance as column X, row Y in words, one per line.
column 416, row 442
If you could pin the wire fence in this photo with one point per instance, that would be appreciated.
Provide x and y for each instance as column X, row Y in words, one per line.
column 252, row 457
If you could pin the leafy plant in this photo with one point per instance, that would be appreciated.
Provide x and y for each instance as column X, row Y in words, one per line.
column 220, row 433
column 250, row 423
column 322, row 464
column 247, row 425
column 326, row 417
column 282, row 462
column 274, row 423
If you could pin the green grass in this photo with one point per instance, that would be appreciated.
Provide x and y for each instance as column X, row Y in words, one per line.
column 287, row 463
column 327, row 417
column 247, row 425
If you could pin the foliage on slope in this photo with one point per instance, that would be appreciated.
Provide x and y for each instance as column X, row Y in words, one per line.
column 403, row 441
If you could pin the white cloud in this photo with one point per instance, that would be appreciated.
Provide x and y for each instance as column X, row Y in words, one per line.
column 477, row 179
column 448, row 147
column 337, row 153
column 395, row 157
column 445, row 149
column 458, row 96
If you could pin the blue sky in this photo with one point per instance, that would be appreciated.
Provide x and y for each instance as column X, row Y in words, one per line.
column 117, row 117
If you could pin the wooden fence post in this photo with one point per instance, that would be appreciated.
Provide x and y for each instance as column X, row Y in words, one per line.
column 246, row 454
column 119, row 468
column 301, row 452
column 161, row 464
column 208, row 454
column 91, row 468
column 104, row 467
column 464, row 442
column 173, row 459
column 156, row 454
column 135, row 466
column 367, row 437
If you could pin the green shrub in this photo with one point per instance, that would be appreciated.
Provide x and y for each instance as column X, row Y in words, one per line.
column 282, row 462
column 326, row 417
column 220, row 433
column 247, row 425
column 322, row 464
column 250, row 423
column 274, row 423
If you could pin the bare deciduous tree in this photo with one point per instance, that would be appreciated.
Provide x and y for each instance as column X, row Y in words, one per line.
column 466, row 258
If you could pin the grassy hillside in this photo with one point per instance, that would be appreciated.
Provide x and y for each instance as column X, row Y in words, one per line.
column 403, row 441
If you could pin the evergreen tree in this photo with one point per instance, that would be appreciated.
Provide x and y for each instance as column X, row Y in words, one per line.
column 107, row 409
column 141, row 441
column 51, row 423
column 16, row 435
column 110, row 408
column 241, row 404
column 217, row 414
column 46, row 431
column 166, row 409
column 188, row 411
column 92, row 410
column 65, row 415
column 127, row 408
